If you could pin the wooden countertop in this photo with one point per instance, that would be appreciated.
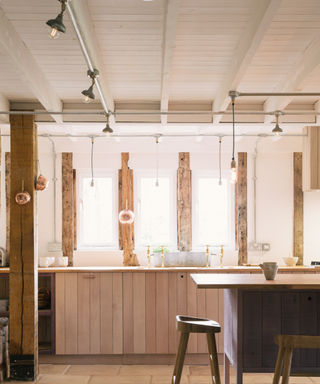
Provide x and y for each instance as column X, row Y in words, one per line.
column 224, row 270
column 256, row 281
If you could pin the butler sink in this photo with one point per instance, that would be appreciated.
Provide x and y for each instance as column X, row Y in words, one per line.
column 182, row 259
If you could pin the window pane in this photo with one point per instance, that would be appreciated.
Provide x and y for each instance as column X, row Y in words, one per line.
column 155, row 211
column 97, row 214
column 213, row 211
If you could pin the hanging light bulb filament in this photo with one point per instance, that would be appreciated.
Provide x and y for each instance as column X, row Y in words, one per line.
column 92, row 180
column 233, row 173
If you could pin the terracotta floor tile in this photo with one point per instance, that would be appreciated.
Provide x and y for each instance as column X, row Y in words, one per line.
column 254, row 378
column 162, row 379
column 90, row 370
column 53, row 369
column 64, row 379
column 153, row 370
column 134, row 379
column 199, row 370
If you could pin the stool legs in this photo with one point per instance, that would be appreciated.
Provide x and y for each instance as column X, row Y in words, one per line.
column 181, row 353
column 213, row 357
column 279, row 364
column 284, row 355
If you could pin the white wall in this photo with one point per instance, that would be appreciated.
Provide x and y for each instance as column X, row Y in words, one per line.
column 274, row 189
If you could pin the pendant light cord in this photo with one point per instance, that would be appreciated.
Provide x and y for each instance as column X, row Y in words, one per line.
column 233, row 130
column 157, row 181
column 92, row 141
column 220, row 140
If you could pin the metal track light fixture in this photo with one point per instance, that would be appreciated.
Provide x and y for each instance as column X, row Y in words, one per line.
column 277, row 130
column 88, row 94
column 107, row 129
column 56, row 25
column 233, row 173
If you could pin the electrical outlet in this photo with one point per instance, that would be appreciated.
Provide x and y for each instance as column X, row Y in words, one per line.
column 259, row 246
column 54, row 247
column 265, row 246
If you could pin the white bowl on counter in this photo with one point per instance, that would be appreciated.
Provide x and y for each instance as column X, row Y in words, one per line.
column 290, row 261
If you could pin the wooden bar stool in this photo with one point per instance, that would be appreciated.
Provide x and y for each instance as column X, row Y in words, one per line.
column 187, row 325
column 286, row 345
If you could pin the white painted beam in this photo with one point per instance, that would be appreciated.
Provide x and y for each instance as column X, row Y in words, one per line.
column 69, row 129
column 14, row 51
column 4, row 106
column 258, row 24
column 81, row 13
column 169, row 37
column 296, row 79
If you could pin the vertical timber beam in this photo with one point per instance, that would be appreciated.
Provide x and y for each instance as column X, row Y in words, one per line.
column 184, row 203
column 129, row 258
column 298, row 207
column 8, row 188
column 242, row 209
column 67, row 206
column 23, row 252
column 120, row 209
column 75, row 231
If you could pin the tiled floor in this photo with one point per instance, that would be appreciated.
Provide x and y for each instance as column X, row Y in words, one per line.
column 144, row 374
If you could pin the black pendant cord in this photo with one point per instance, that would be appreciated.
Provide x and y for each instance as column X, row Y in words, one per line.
column 233, row 131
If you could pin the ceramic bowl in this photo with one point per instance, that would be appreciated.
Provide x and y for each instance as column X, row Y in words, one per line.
column 290, row 261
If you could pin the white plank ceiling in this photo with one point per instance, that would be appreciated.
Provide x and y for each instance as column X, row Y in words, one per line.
column 163, row 55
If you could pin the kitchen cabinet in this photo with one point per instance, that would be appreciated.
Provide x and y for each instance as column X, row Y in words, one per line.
column 129, row 312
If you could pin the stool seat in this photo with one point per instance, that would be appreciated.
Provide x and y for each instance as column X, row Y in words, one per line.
column 196, row 325
column 186, row 325
column 286, row 345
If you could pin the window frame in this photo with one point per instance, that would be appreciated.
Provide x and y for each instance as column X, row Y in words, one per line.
column 202, row 174
column 86, row 173
column 172, row 175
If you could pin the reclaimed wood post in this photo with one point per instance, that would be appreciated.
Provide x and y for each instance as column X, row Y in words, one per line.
column 23, row 252
column 184, row 213
column 8, row 182
column 298, row 207
column 242, row 208
column 67, row 206
column 75, row 229
column 129, row 258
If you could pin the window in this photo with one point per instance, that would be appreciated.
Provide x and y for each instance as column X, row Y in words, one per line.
column 97, row 214
column 155, row 207
column 212, row 210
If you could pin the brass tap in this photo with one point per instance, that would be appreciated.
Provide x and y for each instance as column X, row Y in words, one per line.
column 221, row 256
column 207, row 256
column 148, row 256
column 162, row 256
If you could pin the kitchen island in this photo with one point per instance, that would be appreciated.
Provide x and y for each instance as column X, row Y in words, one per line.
column 256, row 309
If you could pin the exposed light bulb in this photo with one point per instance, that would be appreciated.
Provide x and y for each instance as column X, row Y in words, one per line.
column 233, row 172
column 86, row 99
column 157, row 183
column 220, row 182
column 53, row 33
column 108, row 133
column 277, row 134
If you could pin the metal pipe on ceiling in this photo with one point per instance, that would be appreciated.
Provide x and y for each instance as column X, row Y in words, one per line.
column 200, row 113
column 87, row 57
column 239, row 94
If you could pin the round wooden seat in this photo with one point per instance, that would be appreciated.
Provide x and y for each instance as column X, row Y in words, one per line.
column 186, row 325
column 196, row 325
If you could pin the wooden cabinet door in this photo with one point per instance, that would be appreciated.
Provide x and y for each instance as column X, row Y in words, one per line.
column 89, row 317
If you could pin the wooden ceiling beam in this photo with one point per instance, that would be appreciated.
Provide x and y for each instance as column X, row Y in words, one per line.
column 296, row 79
column 169, row 38
column 257, row 27
column 16, row 53
column 81, row 13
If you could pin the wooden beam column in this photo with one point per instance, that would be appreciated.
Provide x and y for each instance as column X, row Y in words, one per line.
column 184, row 213
column 127, row 231
column 67, row 206
column 242, row 209
column 298, row 207
column 23, row 252
column 8, row 188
